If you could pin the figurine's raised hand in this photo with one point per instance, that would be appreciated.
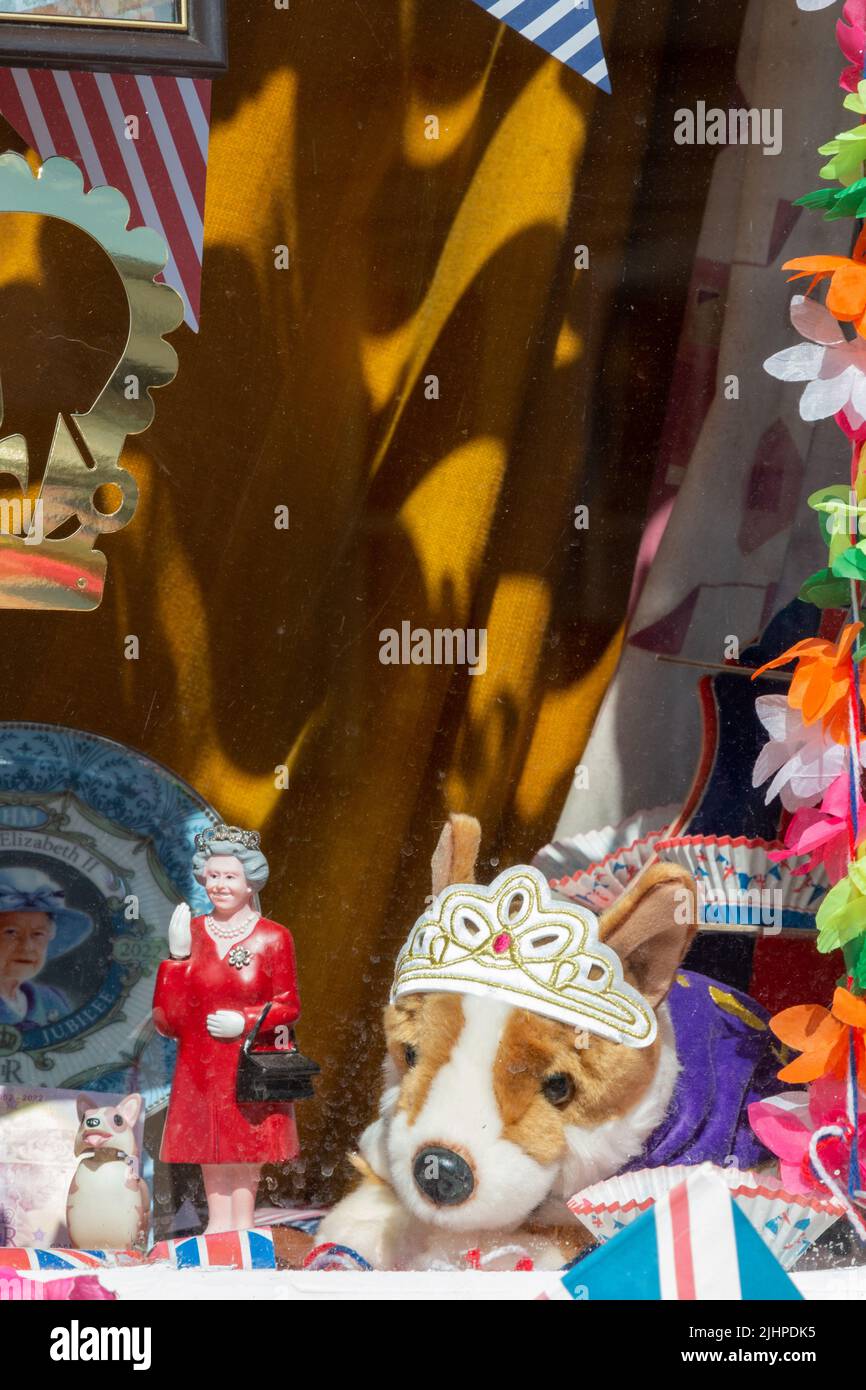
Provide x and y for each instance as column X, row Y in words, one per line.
column 179, row 933
column 225, row 1023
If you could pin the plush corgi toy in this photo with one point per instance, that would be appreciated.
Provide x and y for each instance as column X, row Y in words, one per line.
column 108, row 1203
column 531, row 1051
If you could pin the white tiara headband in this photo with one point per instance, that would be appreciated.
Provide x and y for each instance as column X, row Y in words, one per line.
column 514, row 941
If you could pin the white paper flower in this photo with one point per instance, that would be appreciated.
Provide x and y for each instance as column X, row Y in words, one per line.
column 834, row 367
column 800, row 758
column 814, row 4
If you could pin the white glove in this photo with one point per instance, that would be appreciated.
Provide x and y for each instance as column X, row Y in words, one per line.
column 179, row 933
column 225, row 1023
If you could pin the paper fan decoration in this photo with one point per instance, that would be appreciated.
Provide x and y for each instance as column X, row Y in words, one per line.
column 741, row 885
column 787, row 1222
column 601, row 884
column 595, row 868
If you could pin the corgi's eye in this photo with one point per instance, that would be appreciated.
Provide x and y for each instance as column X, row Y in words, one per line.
column 558, row 1089
column 410, row 1055
column 118, row 1120
column 92, row 1123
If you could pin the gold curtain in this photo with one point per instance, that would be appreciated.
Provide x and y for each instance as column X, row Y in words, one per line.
column 410, row 258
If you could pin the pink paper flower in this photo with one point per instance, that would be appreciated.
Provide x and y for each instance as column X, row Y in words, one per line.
column 786, row 1123
column 823, row 834
column 851, row 37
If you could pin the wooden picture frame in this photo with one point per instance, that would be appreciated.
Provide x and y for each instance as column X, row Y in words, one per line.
column 70, row 34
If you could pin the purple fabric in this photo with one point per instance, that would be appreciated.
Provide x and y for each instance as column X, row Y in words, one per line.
column 726, row 1063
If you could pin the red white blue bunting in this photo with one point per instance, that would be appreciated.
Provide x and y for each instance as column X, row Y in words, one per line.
column 567, row 29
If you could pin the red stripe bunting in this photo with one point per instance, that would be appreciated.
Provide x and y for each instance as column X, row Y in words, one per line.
column 682, row 1238
column 147, row 136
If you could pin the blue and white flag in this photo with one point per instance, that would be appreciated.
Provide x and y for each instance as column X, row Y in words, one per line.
column 694, row 1244
column 567, row 29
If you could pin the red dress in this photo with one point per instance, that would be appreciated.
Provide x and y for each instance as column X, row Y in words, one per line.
column 205, row 1122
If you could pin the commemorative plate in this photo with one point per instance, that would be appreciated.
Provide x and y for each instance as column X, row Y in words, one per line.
column 96, row 841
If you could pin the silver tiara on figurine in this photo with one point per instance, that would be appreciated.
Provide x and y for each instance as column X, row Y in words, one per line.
column 230, row 834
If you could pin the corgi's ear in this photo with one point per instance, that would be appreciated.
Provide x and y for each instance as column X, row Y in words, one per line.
column 651, row 927
column 455, row 855
column 130, row 1108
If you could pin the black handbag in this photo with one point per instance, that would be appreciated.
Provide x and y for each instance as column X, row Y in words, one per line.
column 274, row 1077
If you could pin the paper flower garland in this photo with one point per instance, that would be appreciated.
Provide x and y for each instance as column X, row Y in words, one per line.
column 851, row 37
column 846, row 293
column 822, row 683
column 815, row 749
column 849, row 148
column 824, row 835
column 787, row 1123
column 802, row 760
column 822, row 1037
column 833, row 365
column 846, row 166
column 841, row 918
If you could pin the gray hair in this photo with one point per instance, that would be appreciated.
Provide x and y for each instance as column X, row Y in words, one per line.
column 253, row 862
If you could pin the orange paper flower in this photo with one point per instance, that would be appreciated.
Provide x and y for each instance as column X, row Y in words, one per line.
column 821, row 686
column 822, row 1036
column 846, row 295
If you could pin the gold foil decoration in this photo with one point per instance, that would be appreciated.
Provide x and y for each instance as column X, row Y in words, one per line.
column 38, row 570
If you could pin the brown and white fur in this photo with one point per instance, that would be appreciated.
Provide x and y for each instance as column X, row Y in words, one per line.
column 491, row 1117
column 108, row 1204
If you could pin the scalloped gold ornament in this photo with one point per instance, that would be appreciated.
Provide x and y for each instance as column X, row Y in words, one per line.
column 37, row 570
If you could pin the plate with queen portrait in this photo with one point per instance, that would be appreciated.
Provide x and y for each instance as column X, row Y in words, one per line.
column 96, row 844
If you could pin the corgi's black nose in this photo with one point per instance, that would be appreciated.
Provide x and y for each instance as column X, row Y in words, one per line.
column 443, row 1176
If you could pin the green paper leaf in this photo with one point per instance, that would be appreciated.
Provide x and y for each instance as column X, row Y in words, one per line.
column 833, row 505
column 841, row 916
column 821, row 198
column 851, row 564
column 825, row 590
column 858, row 973
column 837, row 202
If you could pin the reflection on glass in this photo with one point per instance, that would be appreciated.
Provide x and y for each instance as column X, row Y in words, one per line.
column 130, row 12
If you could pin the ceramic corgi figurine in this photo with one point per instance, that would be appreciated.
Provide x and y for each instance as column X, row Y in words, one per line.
column 497, row 1107
column 108, row 1204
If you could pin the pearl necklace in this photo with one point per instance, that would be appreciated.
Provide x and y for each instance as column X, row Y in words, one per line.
column 228, row 933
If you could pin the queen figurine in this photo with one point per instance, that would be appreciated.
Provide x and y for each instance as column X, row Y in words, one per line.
column 225, row 968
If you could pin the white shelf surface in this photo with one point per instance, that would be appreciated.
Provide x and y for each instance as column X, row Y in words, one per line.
column 161, row 1283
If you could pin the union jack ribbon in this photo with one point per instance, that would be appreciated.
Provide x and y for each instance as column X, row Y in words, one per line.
column 228, row 1250
column 16, row 1257
column 147, row 136
column 567, row 29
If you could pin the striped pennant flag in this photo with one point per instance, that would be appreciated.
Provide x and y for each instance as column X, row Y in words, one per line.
column 567, row 29
column 17, row 1257
column 694, row 1244
column 86, row 116
column 228, row 1250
